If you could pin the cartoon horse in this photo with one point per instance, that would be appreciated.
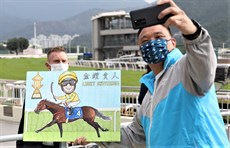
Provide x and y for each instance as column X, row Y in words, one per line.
column 88, row 114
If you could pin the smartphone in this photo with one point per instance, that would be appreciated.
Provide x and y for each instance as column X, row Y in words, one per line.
column 148, row 16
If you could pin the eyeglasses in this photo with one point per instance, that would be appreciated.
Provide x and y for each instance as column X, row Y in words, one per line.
column 70, row 82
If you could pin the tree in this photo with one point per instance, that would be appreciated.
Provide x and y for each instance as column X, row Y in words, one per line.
column 23, row 43
column 17, row 44
column 2, row 47
column 12, row 45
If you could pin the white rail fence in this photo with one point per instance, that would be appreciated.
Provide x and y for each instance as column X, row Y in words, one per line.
column 139, row 65
column 12, row 94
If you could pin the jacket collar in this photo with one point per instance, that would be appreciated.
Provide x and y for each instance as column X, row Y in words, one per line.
column 149, row 78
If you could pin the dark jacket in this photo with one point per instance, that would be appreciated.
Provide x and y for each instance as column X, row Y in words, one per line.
column 143, row 88
column 143, row 91
column 22, row 144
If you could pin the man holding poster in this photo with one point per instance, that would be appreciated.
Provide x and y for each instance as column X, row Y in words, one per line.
column 56, row 60
column 97, row 117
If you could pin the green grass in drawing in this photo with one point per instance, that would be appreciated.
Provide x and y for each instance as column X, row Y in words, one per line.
column 74, row 129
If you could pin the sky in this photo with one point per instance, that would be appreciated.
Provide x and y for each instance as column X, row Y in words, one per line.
column 60, row 9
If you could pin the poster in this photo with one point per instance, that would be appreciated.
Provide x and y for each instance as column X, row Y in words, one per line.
column 61, row 106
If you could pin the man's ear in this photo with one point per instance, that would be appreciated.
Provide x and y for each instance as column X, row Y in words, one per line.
column 173, row 40
column 48, row 65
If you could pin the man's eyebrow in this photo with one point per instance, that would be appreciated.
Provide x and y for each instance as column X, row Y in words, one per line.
column 157, row 33
column 143, row 37
column 154, row 34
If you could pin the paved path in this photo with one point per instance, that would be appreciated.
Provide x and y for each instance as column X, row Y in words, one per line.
column 8, row 128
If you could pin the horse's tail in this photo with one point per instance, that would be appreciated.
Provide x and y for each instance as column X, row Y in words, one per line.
column 101, row 115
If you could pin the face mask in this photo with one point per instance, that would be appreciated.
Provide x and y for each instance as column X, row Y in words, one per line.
column 59, row 67
column 154, row 51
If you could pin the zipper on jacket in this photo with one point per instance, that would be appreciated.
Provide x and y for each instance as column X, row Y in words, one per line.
column 152, row 102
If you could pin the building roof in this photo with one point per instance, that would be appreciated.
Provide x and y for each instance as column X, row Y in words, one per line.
column 114, row 13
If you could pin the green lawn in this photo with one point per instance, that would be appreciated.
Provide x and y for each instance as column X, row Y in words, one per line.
column 227, row 86
column 16, row 69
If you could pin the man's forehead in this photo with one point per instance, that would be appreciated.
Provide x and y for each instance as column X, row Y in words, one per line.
column 57, row 55
column 153, row 31
column 157, row 29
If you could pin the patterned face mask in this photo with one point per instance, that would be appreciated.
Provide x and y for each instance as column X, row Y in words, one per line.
column 154, row 51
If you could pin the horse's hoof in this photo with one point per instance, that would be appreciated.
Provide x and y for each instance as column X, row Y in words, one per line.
column 37, row 131
column 105, row 130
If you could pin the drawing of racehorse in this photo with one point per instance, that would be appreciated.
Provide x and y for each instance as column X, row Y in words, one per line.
column 86, row 113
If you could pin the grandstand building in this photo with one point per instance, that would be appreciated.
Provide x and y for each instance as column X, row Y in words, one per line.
column 113, row 35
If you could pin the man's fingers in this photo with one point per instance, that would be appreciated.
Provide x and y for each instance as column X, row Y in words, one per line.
column 173, row 21
column 81, row 141
column 170, row 10
column 171, row 2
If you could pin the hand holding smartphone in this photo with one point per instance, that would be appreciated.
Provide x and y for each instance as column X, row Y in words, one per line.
column 148, row 16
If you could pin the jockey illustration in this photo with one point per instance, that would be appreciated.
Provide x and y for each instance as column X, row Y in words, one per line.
column 68, row 81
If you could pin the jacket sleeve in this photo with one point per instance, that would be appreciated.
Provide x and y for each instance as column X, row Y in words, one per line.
column 200, row 63
column 132, row 135
column 62, row 97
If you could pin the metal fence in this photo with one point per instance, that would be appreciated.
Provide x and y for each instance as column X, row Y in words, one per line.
column 12, row 93
column 139, row 65
column 224, row 104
